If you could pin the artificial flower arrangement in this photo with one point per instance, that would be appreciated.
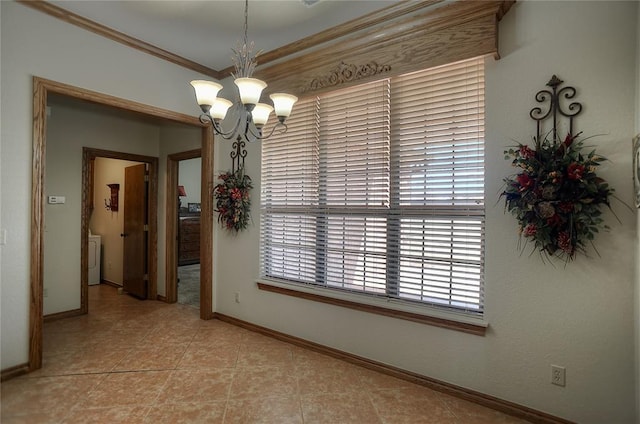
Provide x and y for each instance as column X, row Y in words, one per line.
column 233, row 202
column 556, row 196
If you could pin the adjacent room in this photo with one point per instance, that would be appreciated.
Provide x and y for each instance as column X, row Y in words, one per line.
column 320, row 211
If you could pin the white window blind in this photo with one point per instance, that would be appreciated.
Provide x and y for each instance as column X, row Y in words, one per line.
column 379, row 189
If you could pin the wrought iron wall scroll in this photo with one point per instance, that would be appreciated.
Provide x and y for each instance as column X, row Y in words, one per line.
column 554, row 97
column 238, row 155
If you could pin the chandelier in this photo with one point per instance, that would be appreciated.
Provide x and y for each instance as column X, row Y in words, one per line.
column 251, row 114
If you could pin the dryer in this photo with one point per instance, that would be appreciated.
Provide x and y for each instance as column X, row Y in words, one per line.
column 94, row 259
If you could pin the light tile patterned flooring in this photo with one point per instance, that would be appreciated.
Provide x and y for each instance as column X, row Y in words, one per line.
column 131, row 361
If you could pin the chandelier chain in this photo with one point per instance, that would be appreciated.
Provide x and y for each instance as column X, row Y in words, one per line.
column 246, row 22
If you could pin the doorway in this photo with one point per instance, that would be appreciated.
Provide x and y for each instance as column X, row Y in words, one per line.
column 128, row 230
column 42, row 89
column 184, row 268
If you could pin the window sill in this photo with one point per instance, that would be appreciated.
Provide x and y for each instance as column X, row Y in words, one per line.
column 463, row 324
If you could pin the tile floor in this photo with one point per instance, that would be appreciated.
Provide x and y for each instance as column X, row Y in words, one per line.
column 131, row 361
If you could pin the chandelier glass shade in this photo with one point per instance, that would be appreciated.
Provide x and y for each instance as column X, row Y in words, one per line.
column 251, row 114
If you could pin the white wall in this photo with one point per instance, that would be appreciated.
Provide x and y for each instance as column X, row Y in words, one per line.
column 579, row 316
column 34, row 44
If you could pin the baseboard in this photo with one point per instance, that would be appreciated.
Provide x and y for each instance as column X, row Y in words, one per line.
column 497, row 404
column 110, row 283
column 161, row 298
column 61, row 315
column 13, row 372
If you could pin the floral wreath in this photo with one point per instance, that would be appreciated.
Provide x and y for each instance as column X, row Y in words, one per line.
column 233, row 202
column 557, row 196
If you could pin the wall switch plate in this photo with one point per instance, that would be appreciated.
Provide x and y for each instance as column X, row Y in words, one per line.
column 558, row 375
column 56, row 200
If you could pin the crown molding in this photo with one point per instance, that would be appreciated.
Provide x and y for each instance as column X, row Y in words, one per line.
column 89, row 25
column 448, row 33
column 419, row 29
column 373, row 19
column 370, row 20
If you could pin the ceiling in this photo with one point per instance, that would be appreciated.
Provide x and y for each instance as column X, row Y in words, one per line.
column 205, row 31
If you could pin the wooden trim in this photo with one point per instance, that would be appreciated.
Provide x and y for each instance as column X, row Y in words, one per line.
column 488, row 401
column 348, row 28
column 162, row 298
column 140, row 109
column 171, row 214
column 478, row 330
column 152, row 238
column 13, row 372
column 189, row 154
column 171, row 235
column 79, row 21
column 65, row 314
column 40, row 93
column 376, row 23
column 111, row 283
column 206, row 225
column 41, row 89
column 452, row 32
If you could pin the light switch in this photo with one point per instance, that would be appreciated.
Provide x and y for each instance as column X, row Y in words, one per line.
column 56, row 200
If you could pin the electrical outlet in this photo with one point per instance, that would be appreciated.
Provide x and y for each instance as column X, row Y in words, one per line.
column 237, row 297
column 558, row 375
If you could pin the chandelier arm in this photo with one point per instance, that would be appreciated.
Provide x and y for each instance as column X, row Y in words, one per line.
column 232, row 134
column 217, row 128
column 261, row 136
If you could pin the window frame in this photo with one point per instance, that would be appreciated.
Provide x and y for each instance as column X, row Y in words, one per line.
column 393, row 213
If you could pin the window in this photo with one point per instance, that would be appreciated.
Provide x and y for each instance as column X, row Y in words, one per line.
column 379, row 189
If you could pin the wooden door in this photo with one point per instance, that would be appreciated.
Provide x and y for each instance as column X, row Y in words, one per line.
column 135, row 237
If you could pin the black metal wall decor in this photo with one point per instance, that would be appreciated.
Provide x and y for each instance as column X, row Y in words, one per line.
column 238, row 155
column 555, row 107
column 555, row 194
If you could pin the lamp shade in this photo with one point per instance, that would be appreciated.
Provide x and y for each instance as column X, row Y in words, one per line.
column 220, row 108
column 260, row 114
column 181, row 191
column 206, row 91
column 250, row 89
column 283, row 103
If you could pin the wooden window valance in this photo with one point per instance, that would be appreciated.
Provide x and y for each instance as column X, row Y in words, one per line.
column 410, row 42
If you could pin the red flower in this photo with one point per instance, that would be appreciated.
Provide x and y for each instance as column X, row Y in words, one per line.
column 566, row 207
column 575, row 171
column 554, row 221
column 568, row 140
column 530, row 230
column 564, row 242
column 526, row 152
column 525, row 181
column 236, row 194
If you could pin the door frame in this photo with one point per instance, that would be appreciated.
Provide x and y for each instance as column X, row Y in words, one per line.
column 88, row 156
column 41, row 89
column 171, row 260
